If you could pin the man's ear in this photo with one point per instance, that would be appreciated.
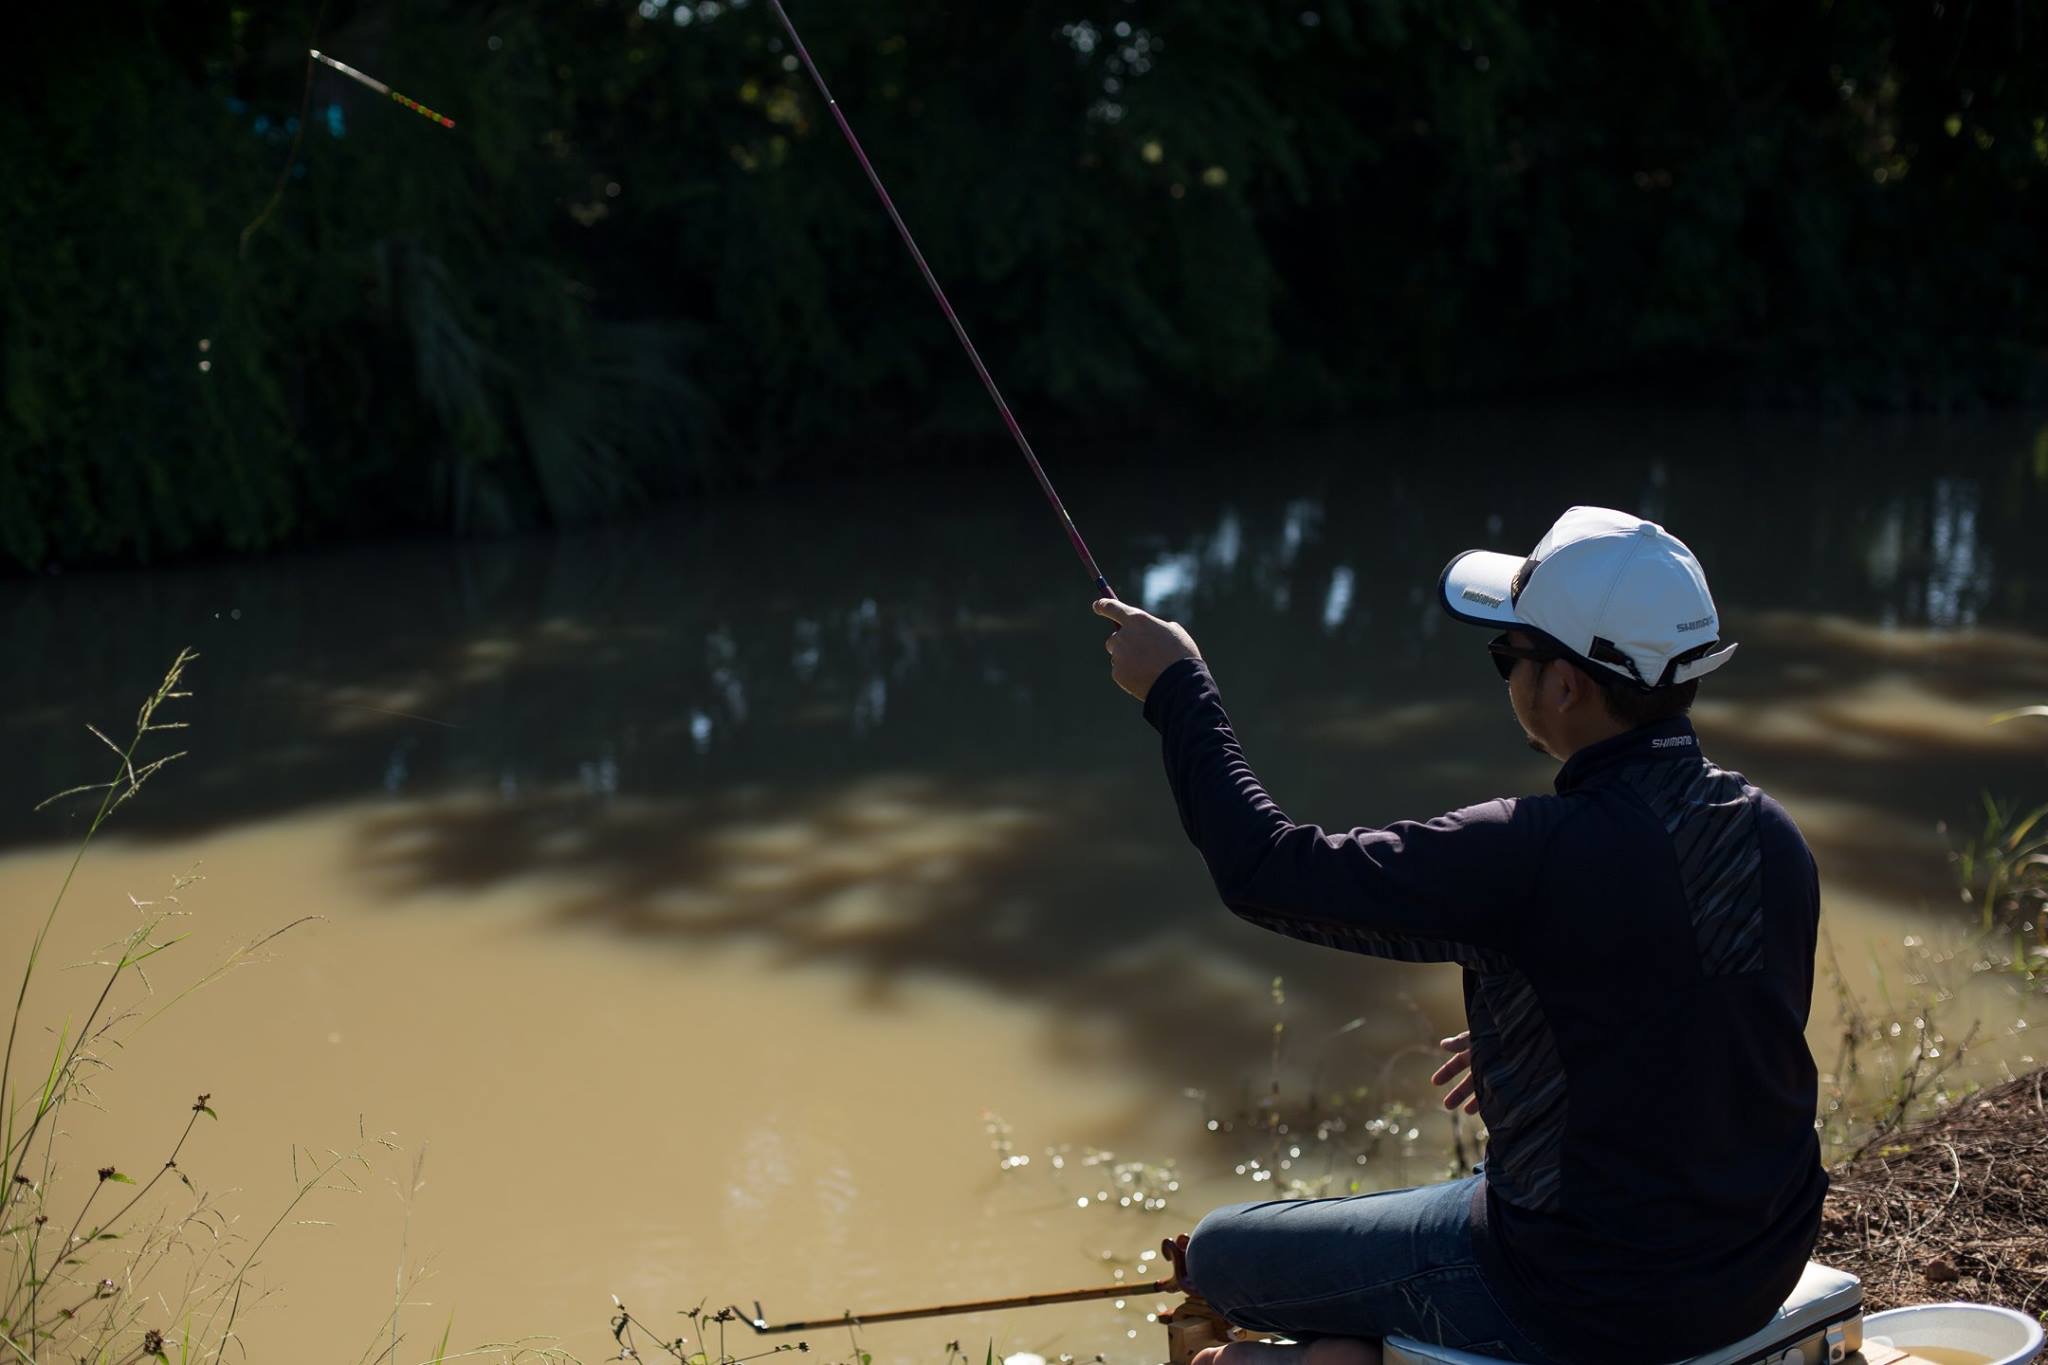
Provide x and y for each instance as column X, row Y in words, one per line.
column 1574, row 687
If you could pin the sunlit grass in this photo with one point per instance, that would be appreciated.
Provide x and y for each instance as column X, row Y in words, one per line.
column 145, row 1264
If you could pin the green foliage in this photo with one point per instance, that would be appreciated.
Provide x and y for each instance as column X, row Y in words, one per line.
column 400, row 347
column 2003, row 871
column 644, row 260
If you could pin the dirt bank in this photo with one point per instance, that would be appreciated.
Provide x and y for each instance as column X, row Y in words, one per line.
column 1955, row 1207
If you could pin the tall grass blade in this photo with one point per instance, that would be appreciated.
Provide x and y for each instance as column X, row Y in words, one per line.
column 56, row 1068
column 2019, row 831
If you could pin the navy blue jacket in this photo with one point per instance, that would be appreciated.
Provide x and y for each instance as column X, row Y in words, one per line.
column 1638, row 952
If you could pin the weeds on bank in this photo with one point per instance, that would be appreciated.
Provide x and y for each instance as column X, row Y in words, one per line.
column 117, row 1273
column 1889, row 1068
column 73, row 1286
column 52, row 1297
column 2003, row 873
column 1894, row 1064
column 636, row 1339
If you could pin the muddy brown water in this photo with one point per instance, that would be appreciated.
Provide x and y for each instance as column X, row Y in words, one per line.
column 694, row 892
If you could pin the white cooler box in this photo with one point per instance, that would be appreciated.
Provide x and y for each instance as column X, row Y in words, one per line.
column 1819, row 1325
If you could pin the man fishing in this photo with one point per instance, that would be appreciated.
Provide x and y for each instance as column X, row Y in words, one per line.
column 1638, row 960
column 1638, row 954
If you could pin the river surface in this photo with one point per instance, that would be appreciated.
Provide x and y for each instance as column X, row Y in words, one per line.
column 721, row 903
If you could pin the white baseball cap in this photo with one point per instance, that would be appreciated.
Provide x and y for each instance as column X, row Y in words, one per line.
column 1608, row 588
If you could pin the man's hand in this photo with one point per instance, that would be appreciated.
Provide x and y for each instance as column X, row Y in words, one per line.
column 1143, row 646
column 1459, row 1068
column 1175, row 1250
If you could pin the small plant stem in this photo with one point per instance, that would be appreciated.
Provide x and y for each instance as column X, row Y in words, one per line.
column 35, row 1241
column 668, row 1347
column 233, row 1298
column 165, row 690
column 92, row 1294
column 170, row 1163
column 115, row 793
column 36, row 948
column 45, row 1106
column 35, row 1282
column 50, row 1102
column 233, row 960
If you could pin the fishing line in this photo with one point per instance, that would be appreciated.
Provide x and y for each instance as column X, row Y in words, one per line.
column 305, row 108
column 987, row 381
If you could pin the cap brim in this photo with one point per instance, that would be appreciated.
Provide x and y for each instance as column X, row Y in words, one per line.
column 1478, row 587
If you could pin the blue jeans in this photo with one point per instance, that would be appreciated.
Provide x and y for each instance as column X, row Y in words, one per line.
column 1372, row 1265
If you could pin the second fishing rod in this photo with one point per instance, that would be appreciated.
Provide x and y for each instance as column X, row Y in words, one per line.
column 959, row 330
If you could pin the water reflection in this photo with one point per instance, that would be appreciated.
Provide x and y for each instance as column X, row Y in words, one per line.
column 1337, row 599
column 1885, row 596
column 1958, row 577
column 1928, row 555
column 1227, row 543
column 1168, row 585
column 1298, row 523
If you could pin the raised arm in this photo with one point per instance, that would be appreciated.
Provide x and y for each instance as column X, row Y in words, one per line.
column 1455, row 888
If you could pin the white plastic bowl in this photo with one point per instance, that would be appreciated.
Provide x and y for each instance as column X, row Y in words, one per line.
column 2000, row 1335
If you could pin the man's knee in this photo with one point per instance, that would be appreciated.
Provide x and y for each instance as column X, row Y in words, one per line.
column 1218, row 1249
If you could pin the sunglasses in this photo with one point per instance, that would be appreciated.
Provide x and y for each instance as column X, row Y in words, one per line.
column 1507, row 654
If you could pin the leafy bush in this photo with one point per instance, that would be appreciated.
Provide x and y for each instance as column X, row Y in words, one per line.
column 643, row 260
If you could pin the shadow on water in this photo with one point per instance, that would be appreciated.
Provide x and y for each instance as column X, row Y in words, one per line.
column 867, row 723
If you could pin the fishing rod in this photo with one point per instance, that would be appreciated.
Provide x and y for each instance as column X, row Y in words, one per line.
column 1173, row 1252
column 988, row 382
column 1169, row 1285
column 345, row 69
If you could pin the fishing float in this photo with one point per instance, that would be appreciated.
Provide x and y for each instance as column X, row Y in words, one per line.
column 371, row 81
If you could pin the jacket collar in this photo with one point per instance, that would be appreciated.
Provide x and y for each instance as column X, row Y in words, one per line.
column 1659, row 743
